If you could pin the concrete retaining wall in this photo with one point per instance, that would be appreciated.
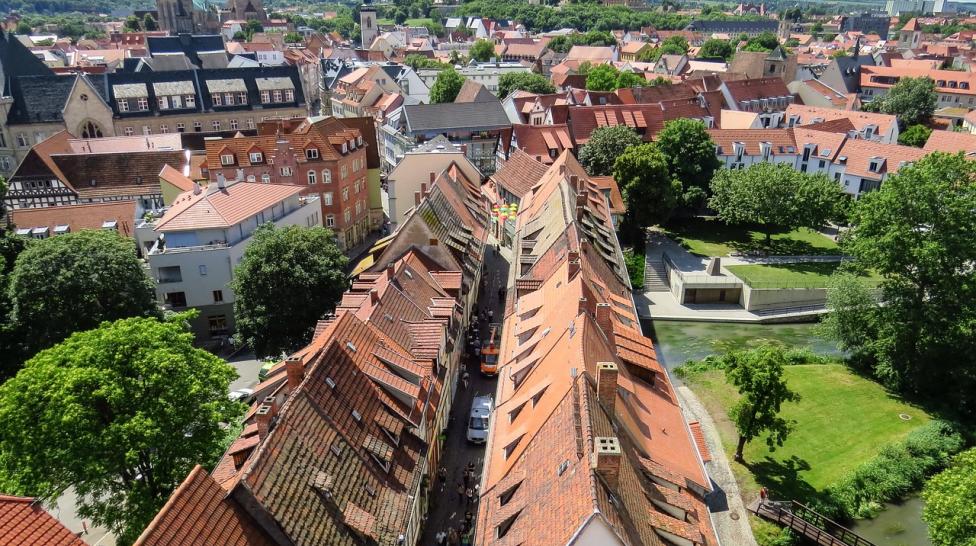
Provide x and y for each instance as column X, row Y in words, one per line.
column 758, row 299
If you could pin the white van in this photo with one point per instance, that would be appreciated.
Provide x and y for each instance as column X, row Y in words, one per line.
column 478, row 419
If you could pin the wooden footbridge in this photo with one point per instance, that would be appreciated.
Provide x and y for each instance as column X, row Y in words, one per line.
column 806, row 522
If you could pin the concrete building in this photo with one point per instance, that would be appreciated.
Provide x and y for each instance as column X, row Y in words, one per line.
column 895, row 8
column 194, row 247
column 486, row 74
column 413, row 177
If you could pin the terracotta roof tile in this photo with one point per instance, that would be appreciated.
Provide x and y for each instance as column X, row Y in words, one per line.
column 23, row 522
column 217, row 207
column 79, row 217
column 520, row 172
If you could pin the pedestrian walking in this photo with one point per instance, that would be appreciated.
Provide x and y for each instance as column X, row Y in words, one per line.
column 464, row 380
column 461, row 491
column 470, row 494
column 467, row 479
column 491, row 315
column 440, row 537
column 442, row 475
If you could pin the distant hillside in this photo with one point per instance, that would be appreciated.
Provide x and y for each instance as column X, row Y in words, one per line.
column 58, row 7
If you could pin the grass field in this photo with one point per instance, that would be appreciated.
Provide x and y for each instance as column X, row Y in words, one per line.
column 409, row 22
column 798, row 275
column 711, row 237
column 842, row 421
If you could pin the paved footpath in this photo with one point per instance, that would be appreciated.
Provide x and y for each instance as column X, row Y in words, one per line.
column 729, row 515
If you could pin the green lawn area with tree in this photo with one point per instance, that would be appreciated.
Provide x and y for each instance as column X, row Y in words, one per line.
column 841, row 421
column 795, row 275
column 712, row 237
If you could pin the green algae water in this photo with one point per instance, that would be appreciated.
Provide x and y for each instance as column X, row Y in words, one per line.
column 898, row 525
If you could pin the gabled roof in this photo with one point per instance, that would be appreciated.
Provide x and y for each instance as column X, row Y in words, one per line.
column 951, row 142
column 519, row 173
column 424, row 118
column 883, row 123
column 78, row 217
column 472, row 91
column 543, row 142
column 23, row 521
column 216, row 207
column 39, row 98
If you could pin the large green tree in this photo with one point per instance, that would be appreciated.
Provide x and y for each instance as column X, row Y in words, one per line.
column 120, row 413
column 690, row 153
column 482, row 50
column 446, row 86
column 602, row 78
column 758, row 376
column 149, row 23
column 73, row 282
column 648, row 189
column 950, row 503
column 773, row 196
column 913, row 100
column 288, row 279
column 603, row 148
column 916, row 135
column 715, row 49
column 524, row 81
column 917, row 232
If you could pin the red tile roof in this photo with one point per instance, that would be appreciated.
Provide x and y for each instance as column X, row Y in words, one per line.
column 544, row 143
column 216, row 207
column 951, row 141
column 23, row 522
column 79, row 217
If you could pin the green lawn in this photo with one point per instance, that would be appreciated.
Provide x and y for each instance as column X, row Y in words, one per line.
column 798, row 275
column 409, row 22
column 842, row 421
column 711, row 237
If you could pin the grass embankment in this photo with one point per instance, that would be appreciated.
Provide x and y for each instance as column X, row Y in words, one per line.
column 796, row 275
column 711, row 237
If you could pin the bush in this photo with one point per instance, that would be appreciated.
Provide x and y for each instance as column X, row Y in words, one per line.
column 794, row 356
column 635, row 267
column 768, row 533
column 898, row 470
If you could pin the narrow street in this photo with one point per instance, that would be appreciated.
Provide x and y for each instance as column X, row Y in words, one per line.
column 446, row 507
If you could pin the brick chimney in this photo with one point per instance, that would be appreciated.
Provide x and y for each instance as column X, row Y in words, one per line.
column 574, row 182
column 433, row 176
column 295, row 370
column 390, row 270
column 263, row 417
column 416, row 198
column 606, row 385
column 574, row 267
column 605, row 460
column 603, row 318
column 579, row 213
column 432, row 242
column 581, row 199
column 374, row 296
column 423, row 188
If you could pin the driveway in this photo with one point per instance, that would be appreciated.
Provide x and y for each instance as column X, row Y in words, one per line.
column 247, row 367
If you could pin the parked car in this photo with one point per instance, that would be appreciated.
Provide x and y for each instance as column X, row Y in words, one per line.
column 478, row 419
column 242, row 395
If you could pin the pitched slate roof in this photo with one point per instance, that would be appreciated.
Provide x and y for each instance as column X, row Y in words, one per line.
column 39, row 99
column 216, row 207
column 23, row 522
column 425, row 118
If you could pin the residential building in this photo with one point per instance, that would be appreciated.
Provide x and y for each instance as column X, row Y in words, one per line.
column 23, row 520
column 40, row 223
column 579, row 392
column 65, row 171
column 486, row 74
column 815, row 92
column 544, row 143
column 634, row 49
column 768, row 97
column 951, row 142
column 733, row 27
column 867, row 125
column 365, row 91
column 323, row 155
column 414, row 175
column 895, row 8
column 844, row 73
column 954, row 88
column 646, row 119
column 194, row 247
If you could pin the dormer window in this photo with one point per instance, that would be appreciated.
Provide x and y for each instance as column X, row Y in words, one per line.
column 766, row 148
column 312, row 153
column 345, row 148
column 359, row 140
column 217, row 100
column 289, row 95
column 265, row 97
column 256, row 157
column 226, row 159
column 875, row 165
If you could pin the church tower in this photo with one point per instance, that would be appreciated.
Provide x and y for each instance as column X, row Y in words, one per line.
column 367, row 25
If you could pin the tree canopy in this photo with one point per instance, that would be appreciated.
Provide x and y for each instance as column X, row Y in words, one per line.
column 288, row 279
column 767, row 41
column 690, row 153
column 714, row 48
column 916, row 135
column 603, row 148
column 447, row 86
column 602, row 78
column 73, row 282
column 774, row 196
column 648, row 189
column 482, row 50
column 913, row 100
column 758, row 375
column 673, row 45
column 121, row 413
column 950, row 503
column 917, row 233
column 524, row 81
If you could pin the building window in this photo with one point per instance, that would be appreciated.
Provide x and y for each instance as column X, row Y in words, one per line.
column 177, row 101
column 266, row 178
column 256, row 157
column 163, row 129
column 328, row 198
column 329, row 220
column 123, row 105
column 312, row 153
column 326, row 176
column 203, row 270
column 289, row 95
column 217, row 325
column 4, row 163
column 226, row 159
column 146, row 130
column 180, row 127
column 190, row 100
column 359, row 208
column 197, row 126
column 229, row 99
column 216, row 125
column 356, row 187
column 242, row 98
column 128, row 131
column 233, row 124
column 345, row 194
column 163, row 103
column 311, row 177
column 143, row 104
column 265, row 97
column 218, row 296
column 346, row 215
column 22, row 141
column 343, row 171
column 286, row 171
column 277, row 95
column 249, row 123
column 217, row 100
column 176, row 300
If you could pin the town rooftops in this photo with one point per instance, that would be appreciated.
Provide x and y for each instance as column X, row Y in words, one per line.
column 590, row 53
column 946, row 81
column 951, row 142
column 519, row 173
column 24, row 521
column 118, row 215
column 806, row 115
column 426, row 118
column 472, row 91
column 216, row 207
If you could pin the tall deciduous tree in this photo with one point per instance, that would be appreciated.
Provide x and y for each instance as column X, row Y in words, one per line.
column 606, row 144
column 602, row 78
column 121, row 413
column 950, row 503
column 913, row 100
column 446, row 86
column 690, row 152
column 715, row 49
column 773, row 196
column 288, row 279
column 917, row 232
column 73, row 282
column 524, row 81
column 149, row 23
column 482, row 50
column 916, row 135
column 758, row 375
column 649, row 191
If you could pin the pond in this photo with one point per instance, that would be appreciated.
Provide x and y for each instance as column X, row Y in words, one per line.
column 899, row 525
column 679, row 341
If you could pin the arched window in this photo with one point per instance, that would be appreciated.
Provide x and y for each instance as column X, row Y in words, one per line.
column 90, row 130
column 311, row 177
column 326, row 176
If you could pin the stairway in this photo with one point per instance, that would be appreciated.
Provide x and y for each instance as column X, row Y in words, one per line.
column 655, row 275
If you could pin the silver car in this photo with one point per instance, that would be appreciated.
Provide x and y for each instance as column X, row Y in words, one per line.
column 478, row 419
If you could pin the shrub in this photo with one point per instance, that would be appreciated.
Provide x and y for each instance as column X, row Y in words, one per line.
column 635, row 267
